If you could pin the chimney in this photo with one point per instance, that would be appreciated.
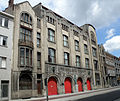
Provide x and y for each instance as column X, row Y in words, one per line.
column 10, row 3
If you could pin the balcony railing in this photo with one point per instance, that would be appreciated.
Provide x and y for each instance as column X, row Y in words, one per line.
column 25, row 43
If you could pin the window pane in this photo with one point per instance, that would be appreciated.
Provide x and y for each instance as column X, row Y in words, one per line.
column 4, row 41
column 6, row 22
column 4, row 90
column 3, row 62
column 3, row 21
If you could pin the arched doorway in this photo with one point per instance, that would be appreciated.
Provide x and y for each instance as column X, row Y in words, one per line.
column 52, row 86
column 68, row 86
column 88, row 84
column 25, row 82
column 80, row 86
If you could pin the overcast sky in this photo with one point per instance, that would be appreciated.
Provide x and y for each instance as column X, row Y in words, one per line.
column 104, row 15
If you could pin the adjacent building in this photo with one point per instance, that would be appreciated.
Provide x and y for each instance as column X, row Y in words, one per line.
column 117, row 69
column 6, row 37
column 47, row 46
column 110, row 66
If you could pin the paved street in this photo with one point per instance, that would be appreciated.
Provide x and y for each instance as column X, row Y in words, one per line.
column 112, row 96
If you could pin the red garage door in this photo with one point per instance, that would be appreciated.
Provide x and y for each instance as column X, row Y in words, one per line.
column 67, row 85
column 52, row 86
column 88, row 84
column 79, row 82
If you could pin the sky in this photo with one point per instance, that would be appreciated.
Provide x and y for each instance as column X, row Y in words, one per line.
column 104, row 15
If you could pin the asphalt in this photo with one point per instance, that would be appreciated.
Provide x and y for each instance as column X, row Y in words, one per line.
column 111, row 96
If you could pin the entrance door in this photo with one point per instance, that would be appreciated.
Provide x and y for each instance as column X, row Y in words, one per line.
column 52, row 86
column 39, row 87
column 88, row 84
column 79, row 82
column 67, row 85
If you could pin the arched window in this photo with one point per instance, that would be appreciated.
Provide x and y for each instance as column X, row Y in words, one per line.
column 92, row 35
column 25, row 82
column 25, row 17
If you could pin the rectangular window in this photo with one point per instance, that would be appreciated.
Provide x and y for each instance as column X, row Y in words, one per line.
column 25, row 34
column 2, row 62
column 22, row 56
column 51, row 35
column 78, row 61
column 97, row 77
column 38, row 23
column 25, row 57
column 50, row 20
column 86, row 62
column 3, row 40
column 64, row 27
column 3, row 22
column 65, row 41
column 38, row 60
column 66, row 58
column 95, row 65
column 76, row 45
column 85, row 49
column 38, row 40
column 51, row 55
column 4, row 89
column 94, row 52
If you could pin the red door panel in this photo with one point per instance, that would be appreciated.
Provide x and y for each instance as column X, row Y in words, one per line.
column 79, row 82
column 67, row 85
column 88, row 85
column 52, row 86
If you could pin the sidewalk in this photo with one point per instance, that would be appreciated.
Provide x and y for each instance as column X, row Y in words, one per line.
column 73, row 96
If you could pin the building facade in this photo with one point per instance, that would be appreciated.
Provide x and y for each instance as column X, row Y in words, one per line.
column 110, row 65
column 48, row 47
column 6, row 37
column 103, row 69
column 117, row 69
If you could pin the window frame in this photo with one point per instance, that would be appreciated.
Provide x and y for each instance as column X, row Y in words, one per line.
column 66, row 60
column 38, row 40
column 51, row 35
column 65, row 41
column 76, row 45
column 51, row 55
column 78, row 61
column 86, row 62
column 25, row 57
column 2, row 39
column 1, row 62
column 39, row 60
column 86, row 49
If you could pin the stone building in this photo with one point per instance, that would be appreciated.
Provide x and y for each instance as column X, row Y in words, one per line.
column 103, row 69
column 46, row 45
column 117, row 69
column 6, row 37
column 110, row 65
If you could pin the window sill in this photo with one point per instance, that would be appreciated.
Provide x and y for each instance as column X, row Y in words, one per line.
column 3, row 46
column 3, row 68
column 51, row 41
column 4, row 27
column 66, row 46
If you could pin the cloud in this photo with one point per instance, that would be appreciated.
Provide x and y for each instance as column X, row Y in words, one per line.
column 112, row 44
column 110, row 33
column 99, row 13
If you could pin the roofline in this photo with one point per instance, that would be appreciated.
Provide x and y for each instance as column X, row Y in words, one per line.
column 6, row 14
